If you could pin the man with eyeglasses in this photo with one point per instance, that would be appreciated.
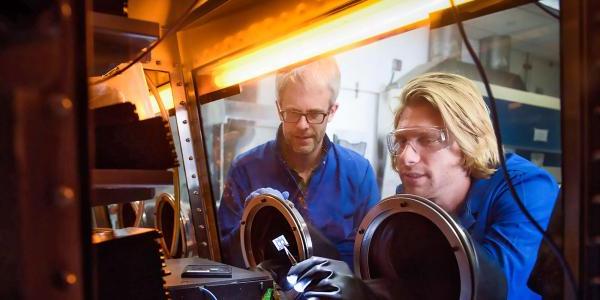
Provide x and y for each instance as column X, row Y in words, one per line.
column 444, row 148
column 331, row 186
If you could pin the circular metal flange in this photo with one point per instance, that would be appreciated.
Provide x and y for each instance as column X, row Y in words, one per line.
column 130, row 214
column 165, row 222
column 411, row 206
column 266, row 212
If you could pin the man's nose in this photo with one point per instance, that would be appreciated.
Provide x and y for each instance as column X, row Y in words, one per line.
column 302, row 123
column 409, row 155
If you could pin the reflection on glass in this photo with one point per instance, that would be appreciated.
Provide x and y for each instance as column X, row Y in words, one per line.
column 519, row 48
column 237, row 124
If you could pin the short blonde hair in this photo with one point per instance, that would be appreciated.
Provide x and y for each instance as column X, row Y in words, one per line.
column 324, row 72
column 465, row 115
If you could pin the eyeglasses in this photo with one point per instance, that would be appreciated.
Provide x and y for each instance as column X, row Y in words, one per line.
column 421, row 139
column 293, row 116
column 290, row 116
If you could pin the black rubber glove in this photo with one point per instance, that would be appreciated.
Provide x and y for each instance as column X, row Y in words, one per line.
column 492, row 281
column 324, row 278
column 278, row 268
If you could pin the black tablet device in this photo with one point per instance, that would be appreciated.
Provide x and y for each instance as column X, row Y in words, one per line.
column 204, row 271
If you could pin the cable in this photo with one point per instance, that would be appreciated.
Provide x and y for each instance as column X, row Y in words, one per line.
column 553, row 247
column 161, row 105
column 547, row 10
column 176, row 181
column 207, row 291
column 114, row 72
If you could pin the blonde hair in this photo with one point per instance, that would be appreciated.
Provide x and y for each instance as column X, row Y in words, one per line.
column 323, row 72
column 465, row 114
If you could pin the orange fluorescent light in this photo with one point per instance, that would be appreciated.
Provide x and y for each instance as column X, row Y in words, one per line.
column 377, row 18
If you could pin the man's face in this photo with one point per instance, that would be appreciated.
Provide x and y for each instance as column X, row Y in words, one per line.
column 303, row 137
column 428, row 173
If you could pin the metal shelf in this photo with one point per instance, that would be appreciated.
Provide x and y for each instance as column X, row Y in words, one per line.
column 106, row 196
column 113, row 178
column 125, row 27
column 118, row 39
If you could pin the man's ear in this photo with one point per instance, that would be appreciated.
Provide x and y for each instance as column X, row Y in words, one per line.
column 332, row 111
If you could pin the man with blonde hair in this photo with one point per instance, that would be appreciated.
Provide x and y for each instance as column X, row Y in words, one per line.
column 331, row 186
column 444, row 148
column 458, row 169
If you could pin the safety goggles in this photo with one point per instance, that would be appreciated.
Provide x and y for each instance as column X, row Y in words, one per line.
column 421, row 139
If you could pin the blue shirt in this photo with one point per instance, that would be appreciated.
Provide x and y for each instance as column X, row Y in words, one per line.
column 494, row 220
column 339, row 193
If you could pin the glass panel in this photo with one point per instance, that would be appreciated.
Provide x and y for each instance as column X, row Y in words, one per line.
column 519, row 48
column 237, row 124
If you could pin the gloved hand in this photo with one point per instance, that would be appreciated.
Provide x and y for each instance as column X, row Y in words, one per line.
column 324, row 278
column 278, row 268
column 269, row 191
